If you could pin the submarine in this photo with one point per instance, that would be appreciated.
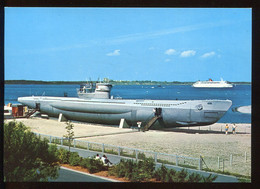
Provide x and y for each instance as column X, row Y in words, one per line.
column 94, row 104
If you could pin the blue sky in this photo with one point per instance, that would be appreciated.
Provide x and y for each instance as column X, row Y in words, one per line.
column 159, row 44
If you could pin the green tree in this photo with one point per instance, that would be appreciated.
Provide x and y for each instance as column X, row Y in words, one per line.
column 26, row 156
column 70, row 132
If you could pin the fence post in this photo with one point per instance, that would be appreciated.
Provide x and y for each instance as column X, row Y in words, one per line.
column 74, row 143
column 245, row 157
column 118, row 151
column 177, row 160
column 136, row 154
column 103, row 147
column 61, row 141
column 88, row 145
column 155, row 157
column 200, row 163
column 218, row 163
column 223, row 165
column 231, row 159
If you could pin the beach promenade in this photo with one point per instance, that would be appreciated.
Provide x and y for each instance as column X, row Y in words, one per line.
column 210, row 142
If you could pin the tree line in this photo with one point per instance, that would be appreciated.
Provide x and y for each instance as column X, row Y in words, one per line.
column 113, row 82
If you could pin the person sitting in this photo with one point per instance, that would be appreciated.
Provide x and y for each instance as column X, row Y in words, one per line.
column 97, row 157
column 106, row 161
column 103, row 159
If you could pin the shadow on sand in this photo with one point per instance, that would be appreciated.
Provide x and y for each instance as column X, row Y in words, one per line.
column 197, row 131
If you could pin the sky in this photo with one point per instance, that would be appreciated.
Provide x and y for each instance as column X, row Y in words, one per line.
column 158, row 44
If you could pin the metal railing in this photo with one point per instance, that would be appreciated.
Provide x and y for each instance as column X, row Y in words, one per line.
column 138, row 154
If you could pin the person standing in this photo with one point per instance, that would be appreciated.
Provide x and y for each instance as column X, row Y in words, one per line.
column 234, row 128
column 226, row 129
column 139, row 125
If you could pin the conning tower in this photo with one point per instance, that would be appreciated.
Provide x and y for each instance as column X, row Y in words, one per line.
column 94, row 90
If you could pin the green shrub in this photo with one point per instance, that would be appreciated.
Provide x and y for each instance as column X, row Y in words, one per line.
column 170, row 175
column 181, row 176
column 210, row 178
column 141, row 156
column 124, row 168
column 195, row 178
column 74, row 159
column 160, row 174
column 95, row 166
column 138, row 171
column 135, row 171
column 63, row 155
column 85, row 163
column 92, row 165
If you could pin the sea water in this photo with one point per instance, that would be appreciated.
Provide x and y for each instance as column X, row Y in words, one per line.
column 240, row 95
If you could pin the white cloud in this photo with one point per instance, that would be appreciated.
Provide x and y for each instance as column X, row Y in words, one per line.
column 170, row 51
column 115, row 53
column 206, row 55
column 188, row 53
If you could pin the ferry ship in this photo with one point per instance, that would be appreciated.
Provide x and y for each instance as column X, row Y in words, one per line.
column 212, row 84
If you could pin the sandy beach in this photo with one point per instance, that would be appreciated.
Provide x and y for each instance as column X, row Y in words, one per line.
column 207, row 141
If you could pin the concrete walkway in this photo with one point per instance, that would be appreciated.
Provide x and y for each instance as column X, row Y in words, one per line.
column 70, row 175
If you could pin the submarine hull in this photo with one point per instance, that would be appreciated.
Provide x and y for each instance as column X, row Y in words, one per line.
column 174, row 113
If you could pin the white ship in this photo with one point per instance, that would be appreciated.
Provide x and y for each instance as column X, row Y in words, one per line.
column 212, row 84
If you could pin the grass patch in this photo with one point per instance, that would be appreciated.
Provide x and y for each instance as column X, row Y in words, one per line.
column 187, row 166
column 111, row 152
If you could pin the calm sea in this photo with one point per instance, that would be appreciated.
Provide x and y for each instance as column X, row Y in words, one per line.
column 239, row 94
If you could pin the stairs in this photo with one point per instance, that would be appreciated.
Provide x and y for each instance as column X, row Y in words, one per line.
column 151, row 122
column 31, row 113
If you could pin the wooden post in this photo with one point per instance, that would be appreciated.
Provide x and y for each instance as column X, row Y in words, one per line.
column 177, row 160
column 118, row 151
column 61, row 141
column 245, row 157
column 103, row 148
column 218, row 163
column 136, row 154
column 231, row 159
column 74, row 143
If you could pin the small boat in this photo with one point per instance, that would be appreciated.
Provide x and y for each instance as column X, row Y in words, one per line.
column 212, row 84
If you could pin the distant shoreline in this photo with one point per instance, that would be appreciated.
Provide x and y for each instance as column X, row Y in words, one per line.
column 28, row 82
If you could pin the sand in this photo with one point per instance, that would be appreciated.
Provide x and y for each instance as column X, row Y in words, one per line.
column 207, row 141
